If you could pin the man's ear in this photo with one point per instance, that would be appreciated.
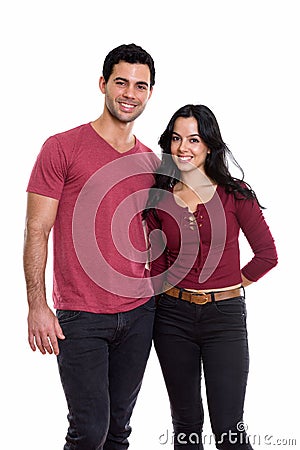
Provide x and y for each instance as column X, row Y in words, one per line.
column 150, row 93
column 102, row 85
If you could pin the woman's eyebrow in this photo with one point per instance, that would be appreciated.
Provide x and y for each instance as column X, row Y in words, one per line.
column 190, row 135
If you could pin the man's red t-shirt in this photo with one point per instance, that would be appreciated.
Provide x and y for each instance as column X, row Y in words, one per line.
column 99, row 245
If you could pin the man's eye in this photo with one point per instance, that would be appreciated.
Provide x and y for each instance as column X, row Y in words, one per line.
column 142, row 87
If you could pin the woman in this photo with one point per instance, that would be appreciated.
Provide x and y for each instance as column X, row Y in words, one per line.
column 194, row 214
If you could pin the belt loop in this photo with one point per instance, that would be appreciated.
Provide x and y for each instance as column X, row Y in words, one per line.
column 244, row 292
column 213, row 297
column 180, row 293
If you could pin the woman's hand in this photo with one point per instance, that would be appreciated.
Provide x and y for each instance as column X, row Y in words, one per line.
column 245, row 281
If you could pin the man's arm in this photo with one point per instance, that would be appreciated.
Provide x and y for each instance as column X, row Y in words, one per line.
column 43, row 326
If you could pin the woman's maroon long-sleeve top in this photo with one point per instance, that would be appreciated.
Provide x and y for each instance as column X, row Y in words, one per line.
column 201, row 250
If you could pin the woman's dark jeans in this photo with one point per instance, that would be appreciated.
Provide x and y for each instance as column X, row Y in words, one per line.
column 189, row 337
column 101, row 364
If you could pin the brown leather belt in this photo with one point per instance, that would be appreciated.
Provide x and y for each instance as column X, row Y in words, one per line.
column 201, row 298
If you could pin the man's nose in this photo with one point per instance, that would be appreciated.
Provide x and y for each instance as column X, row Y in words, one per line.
column 129, row 92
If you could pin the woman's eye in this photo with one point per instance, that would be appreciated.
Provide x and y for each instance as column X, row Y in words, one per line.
column 175, row 138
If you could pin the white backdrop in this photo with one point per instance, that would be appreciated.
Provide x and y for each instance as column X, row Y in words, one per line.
column 240, row 58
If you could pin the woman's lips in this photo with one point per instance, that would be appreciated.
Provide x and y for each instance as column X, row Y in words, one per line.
column 185, row 158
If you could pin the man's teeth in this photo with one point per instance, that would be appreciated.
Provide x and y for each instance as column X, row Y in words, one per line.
column 126, row 105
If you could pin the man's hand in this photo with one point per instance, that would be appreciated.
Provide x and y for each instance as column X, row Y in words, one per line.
column 44, row 330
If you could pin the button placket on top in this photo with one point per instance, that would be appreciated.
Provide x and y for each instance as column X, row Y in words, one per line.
column 199, row 218
column 191, row 221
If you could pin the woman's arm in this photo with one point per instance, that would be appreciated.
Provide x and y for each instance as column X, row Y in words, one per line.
column 158, row 252
column 257, row 232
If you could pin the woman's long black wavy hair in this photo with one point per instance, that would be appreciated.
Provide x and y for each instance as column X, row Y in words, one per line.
column 216, row 163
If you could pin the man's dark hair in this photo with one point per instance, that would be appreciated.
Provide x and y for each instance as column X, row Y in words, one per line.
column 132, row 54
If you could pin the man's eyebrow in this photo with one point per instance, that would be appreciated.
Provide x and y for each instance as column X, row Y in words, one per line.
column 126, row 80
column 120, row 79
column 143, row 83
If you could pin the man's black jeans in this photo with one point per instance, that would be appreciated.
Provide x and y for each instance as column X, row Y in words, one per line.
column 188, row 337
column 101, row 364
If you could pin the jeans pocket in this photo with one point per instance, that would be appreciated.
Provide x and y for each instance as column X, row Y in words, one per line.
column 232, row 307
column 65, row 316
column 167, row 301
column 150, row 305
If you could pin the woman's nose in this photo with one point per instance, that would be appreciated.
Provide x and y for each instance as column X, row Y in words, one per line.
column 182, row 148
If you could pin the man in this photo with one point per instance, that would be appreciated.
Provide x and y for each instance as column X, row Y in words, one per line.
column 102, row 329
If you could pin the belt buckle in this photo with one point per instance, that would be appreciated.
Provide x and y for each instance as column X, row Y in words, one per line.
column 205, row 299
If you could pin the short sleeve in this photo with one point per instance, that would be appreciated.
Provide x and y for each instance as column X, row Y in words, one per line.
column 49, row 171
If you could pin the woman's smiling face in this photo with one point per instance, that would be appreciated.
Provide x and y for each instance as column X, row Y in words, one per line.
column 187, row 148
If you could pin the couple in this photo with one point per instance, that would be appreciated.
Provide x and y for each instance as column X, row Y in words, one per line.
column 111, row 202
